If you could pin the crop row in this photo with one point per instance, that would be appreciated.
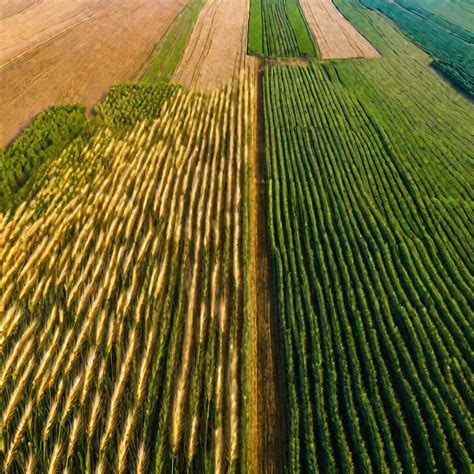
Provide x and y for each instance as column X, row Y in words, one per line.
column 374, row 278
column 122, row 290
column 278, row 28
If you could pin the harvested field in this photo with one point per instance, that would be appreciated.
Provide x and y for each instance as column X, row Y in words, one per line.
column 73, row 52
column 9, row 8
column 30, row 23
column 336, row 37
column 217, row 49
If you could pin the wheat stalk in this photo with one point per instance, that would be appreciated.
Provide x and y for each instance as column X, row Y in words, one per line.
column 125, row 442
column 18, row 436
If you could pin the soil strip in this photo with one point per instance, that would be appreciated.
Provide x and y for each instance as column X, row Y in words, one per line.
column 271, row 430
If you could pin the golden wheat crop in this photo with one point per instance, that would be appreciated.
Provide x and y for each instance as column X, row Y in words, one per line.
column 121, row 296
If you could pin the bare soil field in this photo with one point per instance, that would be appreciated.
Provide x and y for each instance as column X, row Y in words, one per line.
column 72, row 51
column 335, row 36
column 9, row 7
column 217, row 48
column 26, row 24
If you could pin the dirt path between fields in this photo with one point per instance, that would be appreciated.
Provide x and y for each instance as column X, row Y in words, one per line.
column 335, row 36
column 270, row 433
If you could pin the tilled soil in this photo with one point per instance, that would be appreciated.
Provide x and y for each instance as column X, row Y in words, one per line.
column 216, row 52
column 335, row 36
column 269, row 432
column 73, row 52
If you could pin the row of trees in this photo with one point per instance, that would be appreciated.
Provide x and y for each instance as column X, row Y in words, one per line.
column 45, row 138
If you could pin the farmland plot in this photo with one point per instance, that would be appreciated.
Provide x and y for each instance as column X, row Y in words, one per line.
column 335, row 36
column 279, row 29
column 185, row 288
column 450, row 45
column 76, row 58
column 35, row 22
column 216, row 52
column 370, row 222
column 122, row 288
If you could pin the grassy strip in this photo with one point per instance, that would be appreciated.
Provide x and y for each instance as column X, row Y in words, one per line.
column 44, row 139
column 306, row 44
column 255, row 29
column 170, row 50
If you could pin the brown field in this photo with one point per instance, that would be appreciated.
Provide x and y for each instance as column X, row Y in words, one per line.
column 217, row 48
column 336, row 37
column 31, row 23
column 9, row 7
column 55, row 51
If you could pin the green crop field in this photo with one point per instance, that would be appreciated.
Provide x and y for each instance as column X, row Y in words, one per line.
column 371, row 227
column 278, row 28
column 451, row 45
column 273, row 273
column 370, row 209
column 167, row 54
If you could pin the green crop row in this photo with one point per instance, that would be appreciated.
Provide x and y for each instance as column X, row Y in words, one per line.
column 168, row 53
column 369, row 205
column 278, row 28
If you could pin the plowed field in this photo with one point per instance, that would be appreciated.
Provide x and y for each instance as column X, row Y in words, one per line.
column 336, row 37
column 55, row 52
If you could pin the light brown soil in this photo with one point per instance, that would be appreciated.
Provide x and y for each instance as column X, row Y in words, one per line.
column 336, row 37
column 73, row 51
column 269, row 436
column 216, row 51
column 9, row 7
column 31, row 23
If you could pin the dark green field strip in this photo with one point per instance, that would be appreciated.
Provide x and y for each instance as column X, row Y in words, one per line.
column 45, row 138
column 371, row 244
column 459, row 12
column 277, row 28
column 168, row 53
column 451, row 46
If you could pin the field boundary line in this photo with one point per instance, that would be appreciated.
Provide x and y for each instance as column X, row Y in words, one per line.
column 271, row 415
